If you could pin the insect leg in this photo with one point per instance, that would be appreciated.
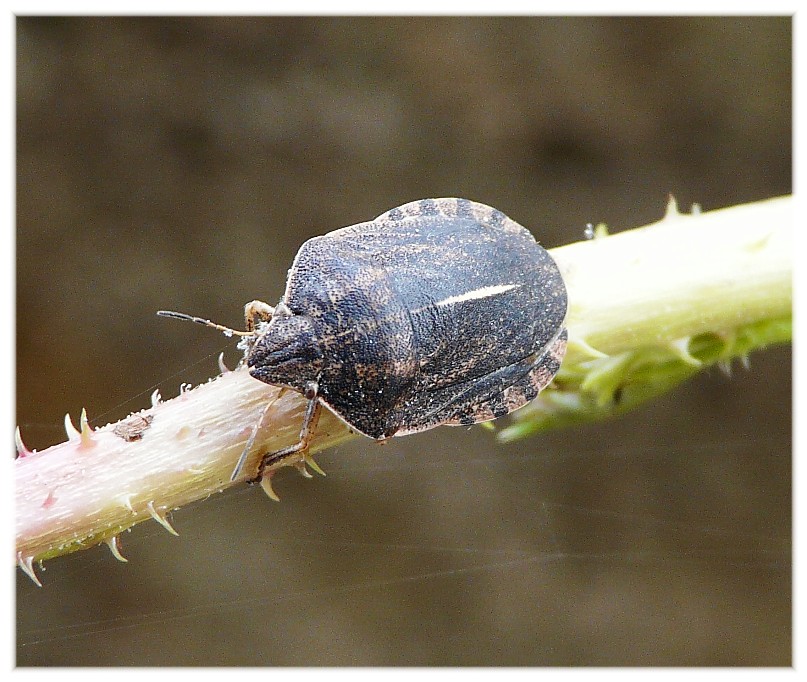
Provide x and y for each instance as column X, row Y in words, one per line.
column 251, row 439
column 256, row 312
column 306, row 432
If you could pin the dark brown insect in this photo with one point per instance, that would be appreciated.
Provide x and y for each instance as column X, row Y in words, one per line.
column 440, row 311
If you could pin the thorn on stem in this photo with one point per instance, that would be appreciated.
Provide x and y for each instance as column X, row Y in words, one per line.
column 87, row 438
column 672, row 211
column 161, row 519
column 300, row 466
column 22, row 450
column 112, row 543
column 27, row 566
column 72, row 432
column 266, row 484
column 309, row 460
column 681, row 348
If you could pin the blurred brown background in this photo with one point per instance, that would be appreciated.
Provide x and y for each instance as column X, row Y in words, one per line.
column 180, row 163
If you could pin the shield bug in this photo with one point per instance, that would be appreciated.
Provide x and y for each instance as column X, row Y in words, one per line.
column 440, row 311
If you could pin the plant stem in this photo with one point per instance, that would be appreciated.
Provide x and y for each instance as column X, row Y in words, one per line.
column 683, row 276
column 648, row 307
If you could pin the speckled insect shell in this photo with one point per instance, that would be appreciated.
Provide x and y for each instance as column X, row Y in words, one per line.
column 441, row 311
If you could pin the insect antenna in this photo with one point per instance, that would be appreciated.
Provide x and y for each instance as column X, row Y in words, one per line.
column 207, row 323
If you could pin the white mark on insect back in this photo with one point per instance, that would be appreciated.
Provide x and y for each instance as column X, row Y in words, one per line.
column 476, row 294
